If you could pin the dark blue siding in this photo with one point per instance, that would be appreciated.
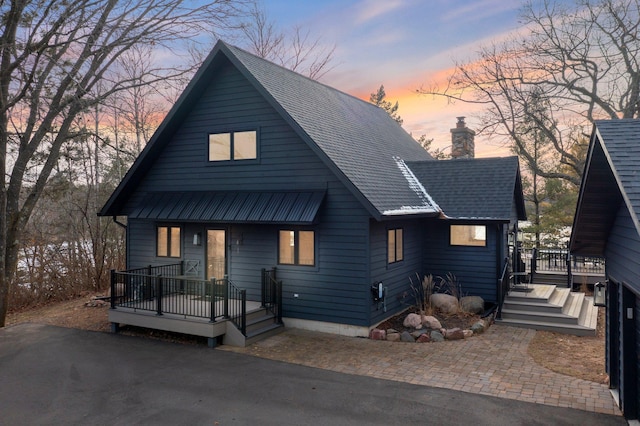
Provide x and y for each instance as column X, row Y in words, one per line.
column 334, row 290
column 622, row 256
column 475, row 268
column 396, row 276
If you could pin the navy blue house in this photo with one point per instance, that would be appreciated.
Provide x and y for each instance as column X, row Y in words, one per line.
column 606, row 224
column 259, row 167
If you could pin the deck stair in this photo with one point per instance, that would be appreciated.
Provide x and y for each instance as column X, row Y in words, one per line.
column 260, row 324
column 550, row 308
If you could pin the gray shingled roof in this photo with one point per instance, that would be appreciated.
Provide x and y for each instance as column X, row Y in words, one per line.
column 482, row 188
column 611, row 176
column 360, row 139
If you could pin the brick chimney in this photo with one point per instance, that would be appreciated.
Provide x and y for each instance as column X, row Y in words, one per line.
column 462, row 140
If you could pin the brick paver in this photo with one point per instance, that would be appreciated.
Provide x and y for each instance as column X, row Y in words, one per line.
column 495, row 363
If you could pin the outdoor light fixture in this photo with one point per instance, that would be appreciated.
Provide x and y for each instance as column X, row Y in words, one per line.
column 600, row 294
column 197, row 239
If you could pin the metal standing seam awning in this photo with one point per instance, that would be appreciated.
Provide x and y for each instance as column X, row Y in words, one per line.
column 298, row 208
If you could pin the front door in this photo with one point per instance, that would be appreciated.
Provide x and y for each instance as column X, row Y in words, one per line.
column 216, row 253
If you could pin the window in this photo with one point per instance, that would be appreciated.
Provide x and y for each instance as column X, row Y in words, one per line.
column 395, row 251
column 469, row 235
column 233, row 146
column 168, row 241
column 296, row 247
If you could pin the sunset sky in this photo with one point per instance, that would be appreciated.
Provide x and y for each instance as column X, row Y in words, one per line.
column 403, row 44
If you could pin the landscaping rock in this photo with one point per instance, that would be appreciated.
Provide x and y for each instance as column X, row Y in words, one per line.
column 424, row 338
column 467, row 333
column 454, row 334
column 436, row 336
column 419, row 333
column 391, row 331
column 377, row 334
column 407, row 337
column 444, row 303
column 393, row 337
column 472, row 304
column 478, row 328
column 431, row 322
column 413, row 320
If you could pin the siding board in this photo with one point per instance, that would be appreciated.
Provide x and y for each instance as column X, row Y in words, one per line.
column 336, row 287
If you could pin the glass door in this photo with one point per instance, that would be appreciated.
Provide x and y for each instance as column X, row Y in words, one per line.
column 216, row 253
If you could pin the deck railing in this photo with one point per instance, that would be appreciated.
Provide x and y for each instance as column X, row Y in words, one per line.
column 272, row 293
column 187, row 297
column 504, row 283
column 557, row 260
column 166, row 290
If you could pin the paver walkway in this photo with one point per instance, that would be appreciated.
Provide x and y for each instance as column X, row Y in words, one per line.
column 495, row 363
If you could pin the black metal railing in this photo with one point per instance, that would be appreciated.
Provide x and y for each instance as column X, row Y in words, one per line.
column 557, row 260
column 504, row 283
column 171, row 269
column 166, row 290
column 235, row 304
column 272, row 293
column 187, row 297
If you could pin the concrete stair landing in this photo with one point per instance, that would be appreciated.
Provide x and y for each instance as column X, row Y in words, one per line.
column 550, row 308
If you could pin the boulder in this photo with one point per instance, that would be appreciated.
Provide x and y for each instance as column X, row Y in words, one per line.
column 478, row 327
column 472, row 304
column 419, row 333
column 431, row 322
column 467, row 333
column 424, row 338
column 407, row 337
column 445, row 303
column 393, row 337
column 377, row 334
column 454, row 334
column 413, row 320
column 436, row 336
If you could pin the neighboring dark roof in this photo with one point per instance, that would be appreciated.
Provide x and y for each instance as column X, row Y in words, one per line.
column 358, row 141
column 481, row 188
column 611, row 176
column 231, row 207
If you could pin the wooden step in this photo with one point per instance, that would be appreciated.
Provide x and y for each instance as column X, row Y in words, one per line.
column 538, row 293
column 577, row 330
column 550, row 308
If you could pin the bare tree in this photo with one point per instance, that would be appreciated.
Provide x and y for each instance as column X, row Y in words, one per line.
column 583, row 59
column 296, row 49
column 53, row 56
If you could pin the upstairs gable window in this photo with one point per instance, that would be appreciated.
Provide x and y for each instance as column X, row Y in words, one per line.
column 233, row 146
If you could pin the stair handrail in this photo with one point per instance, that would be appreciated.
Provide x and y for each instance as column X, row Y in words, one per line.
column 503, row 286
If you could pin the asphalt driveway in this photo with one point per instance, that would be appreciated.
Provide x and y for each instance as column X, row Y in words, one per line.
column 51, row 375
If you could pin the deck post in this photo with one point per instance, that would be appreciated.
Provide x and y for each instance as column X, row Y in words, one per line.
column 159, row 295
column 243, row 321
column 263, row 289
column 226, row 296
column 212, row 316
column 113, row 289
column 279, row 299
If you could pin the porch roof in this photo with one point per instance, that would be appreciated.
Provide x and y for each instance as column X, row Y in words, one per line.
column 232, row 207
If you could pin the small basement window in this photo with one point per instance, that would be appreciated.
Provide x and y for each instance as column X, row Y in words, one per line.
column 233, row 146
column 468, row 235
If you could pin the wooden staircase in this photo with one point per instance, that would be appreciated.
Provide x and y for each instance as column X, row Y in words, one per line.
column 551, row 308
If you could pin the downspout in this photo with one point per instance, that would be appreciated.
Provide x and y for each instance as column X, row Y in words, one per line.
column 115, row 220
column 499, row 257
column 126, row 240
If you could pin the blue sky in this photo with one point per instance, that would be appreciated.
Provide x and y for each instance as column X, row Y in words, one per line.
column 403, row 44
